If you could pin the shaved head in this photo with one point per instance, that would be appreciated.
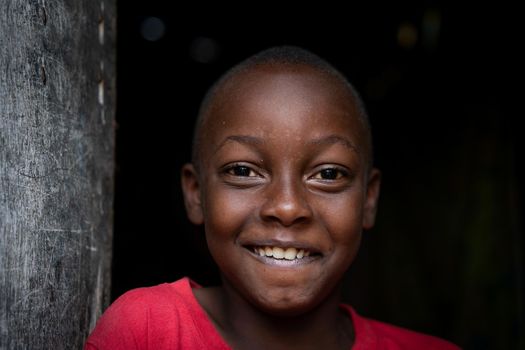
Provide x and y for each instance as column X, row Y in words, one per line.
column 277, row 59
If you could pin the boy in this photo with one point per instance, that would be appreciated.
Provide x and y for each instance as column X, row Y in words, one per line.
column 283, row 182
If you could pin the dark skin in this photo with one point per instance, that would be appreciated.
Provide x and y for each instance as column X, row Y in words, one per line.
column 285, row 168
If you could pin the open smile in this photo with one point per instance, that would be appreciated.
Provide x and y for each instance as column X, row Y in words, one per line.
column 282, row 256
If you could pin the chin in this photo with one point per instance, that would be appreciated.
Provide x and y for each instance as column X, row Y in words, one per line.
column 287, row 307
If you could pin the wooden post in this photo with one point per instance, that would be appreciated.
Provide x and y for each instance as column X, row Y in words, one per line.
column 57, row 105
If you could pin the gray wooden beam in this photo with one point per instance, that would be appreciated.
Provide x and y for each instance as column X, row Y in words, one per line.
column 57, row 106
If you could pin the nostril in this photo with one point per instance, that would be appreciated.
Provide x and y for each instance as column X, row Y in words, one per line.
column 286, row 219
column 287, row 213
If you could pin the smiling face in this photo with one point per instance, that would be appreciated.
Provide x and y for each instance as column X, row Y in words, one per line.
column 283, row 187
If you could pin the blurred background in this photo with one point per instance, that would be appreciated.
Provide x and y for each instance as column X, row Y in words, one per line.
column 446, row 255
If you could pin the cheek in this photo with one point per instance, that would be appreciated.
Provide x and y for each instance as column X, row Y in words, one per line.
column 226, row 216
column 343, row 218
column 225, row 213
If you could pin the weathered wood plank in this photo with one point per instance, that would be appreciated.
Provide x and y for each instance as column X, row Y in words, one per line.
column 57, row 104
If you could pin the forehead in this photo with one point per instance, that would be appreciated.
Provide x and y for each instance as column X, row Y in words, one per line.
column 268, row 99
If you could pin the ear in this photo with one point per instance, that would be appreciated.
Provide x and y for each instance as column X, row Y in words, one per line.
column 192, row 194
column 372, row 195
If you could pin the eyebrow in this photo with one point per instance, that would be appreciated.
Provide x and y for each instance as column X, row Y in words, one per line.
column 335, row 139
column 244, row 139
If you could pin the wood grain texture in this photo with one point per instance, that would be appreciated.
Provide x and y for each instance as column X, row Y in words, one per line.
column 57, row 105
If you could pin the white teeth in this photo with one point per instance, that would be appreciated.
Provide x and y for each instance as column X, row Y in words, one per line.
column 268, row 251
column 290, row 254
column 278, row 253
column 281, row 253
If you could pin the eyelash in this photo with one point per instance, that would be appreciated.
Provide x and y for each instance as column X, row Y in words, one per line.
column 339, row 173
column 230, row 170
column 249, row 172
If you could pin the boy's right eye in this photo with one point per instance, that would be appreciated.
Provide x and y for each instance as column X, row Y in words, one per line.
column 241, row 170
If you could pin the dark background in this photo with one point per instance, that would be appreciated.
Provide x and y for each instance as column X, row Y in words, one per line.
column 446, row 255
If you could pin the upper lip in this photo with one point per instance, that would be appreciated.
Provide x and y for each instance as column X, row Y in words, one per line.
column 280, row 243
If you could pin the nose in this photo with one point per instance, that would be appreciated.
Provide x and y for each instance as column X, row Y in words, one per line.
column 286, row 203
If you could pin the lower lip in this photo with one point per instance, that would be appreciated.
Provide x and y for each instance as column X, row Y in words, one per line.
column 284, row 262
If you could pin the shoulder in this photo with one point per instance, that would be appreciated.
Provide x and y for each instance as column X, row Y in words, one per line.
column 129, row 322
column 142, row 303
column 372, row 334
column 156, row 297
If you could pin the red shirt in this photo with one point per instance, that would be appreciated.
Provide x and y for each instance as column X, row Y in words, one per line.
column 168, row 316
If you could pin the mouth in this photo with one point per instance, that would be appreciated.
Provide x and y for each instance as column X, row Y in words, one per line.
column 279, row 255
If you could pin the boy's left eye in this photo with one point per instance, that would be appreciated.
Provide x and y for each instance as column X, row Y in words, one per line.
column 329, row 174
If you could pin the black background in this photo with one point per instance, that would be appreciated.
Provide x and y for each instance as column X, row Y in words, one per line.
column 446, row 254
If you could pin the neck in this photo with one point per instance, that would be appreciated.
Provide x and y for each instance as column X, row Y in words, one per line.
column 244, row 326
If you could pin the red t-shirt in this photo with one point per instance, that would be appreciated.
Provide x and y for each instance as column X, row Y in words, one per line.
column 168, row 316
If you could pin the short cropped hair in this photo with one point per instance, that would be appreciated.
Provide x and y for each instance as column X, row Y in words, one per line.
column 277, row 56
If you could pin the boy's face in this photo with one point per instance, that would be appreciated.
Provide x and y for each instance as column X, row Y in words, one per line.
column 283, row 170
